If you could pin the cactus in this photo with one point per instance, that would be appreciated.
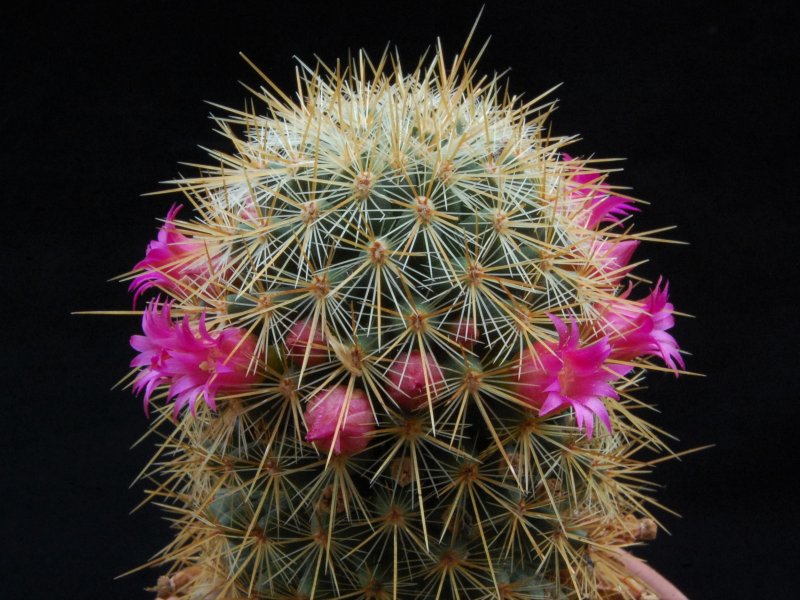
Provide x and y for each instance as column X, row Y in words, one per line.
column 393, row 352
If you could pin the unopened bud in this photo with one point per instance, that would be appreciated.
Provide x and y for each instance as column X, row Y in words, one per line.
column 338, row 422
column 466, row 334
column 298, row 341
column 413, row 378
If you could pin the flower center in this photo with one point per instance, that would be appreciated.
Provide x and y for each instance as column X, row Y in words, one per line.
column 566, row 380
column 209, row 365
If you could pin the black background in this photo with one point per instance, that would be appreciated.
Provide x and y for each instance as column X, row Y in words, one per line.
column 100, row 104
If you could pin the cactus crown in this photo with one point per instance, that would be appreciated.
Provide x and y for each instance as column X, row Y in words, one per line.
column 395, row 297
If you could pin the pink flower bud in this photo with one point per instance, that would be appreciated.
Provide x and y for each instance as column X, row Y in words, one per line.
column 298, row 340
column 640, row 328
column 169, row 258
column 466, row 334
column 600, row 205
column 329, row 410
column 611, row 258
column 407, row 378
column 249, row 211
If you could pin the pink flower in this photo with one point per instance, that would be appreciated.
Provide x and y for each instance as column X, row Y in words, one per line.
column 193, row 363
column 407, row 377
column 323, row 417
column 299, row 338
column 611, row 258
column 563, row 374
column 249, row 210
column 640, row 328
column 168, row 259
column 600, row 206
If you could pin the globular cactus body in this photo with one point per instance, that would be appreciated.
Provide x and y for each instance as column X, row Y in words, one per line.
column 425, row 386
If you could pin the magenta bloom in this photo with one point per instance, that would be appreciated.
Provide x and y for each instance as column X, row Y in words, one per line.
column 407, row 379
column 600, row 205
column 611, row 258
column 192, row 362
column 640, row 328
column 168, row 259
column 299, row 338
column 323, row 414
column 563, row 375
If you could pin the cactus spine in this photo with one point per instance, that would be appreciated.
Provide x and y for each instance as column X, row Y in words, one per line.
column 399, row 261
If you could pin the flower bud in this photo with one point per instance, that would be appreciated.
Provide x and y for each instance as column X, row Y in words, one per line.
column 298, row 340
column 169, row 259
column 330, row 412
column 466, row 334
column 407, row 379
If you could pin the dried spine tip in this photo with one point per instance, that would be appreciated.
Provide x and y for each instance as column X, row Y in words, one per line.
column 424, row 209
column 500, row 222
column 309, row 212
column 474, row 275
column 378, row 252
column 363, row 184
column 446, row 172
